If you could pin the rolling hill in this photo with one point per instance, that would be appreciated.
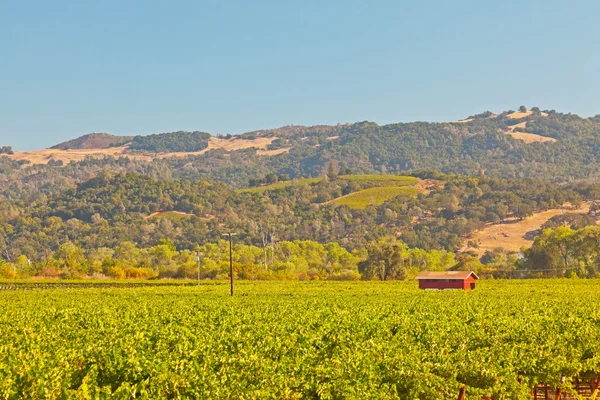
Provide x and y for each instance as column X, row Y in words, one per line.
column 94, row 141
column 533, row 143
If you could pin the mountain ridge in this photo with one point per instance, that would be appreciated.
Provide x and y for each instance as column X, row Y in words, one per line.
column 525, row 143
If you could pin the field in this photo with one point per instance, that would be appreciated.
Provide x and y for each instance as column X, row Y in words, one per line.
column 374, row 196
column 513, row 235
column 172, row 215
column 395, row 180
column 292, row 340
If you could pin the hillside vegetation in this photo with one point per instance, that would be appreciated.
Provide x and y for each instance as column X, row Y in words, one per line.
column 556, row 147
column 94, row 141
column 374, row 196
column 96, row 217
column 173, row 142
column 343, row 185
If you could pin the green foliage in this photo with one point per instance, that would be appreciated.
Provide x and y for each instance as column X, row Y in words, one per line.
column 280, row 185
column 574, row 221
column 171, row 142
column 385, row 260
column 6, row 150
column 565, row 252
column 368, row 340
column 374, row 196
column 112, row 208
column 375, row 180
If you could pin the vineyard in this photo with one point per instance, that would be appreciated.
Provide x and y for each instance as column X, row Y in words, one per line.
column 374, row 196
column 292, row 340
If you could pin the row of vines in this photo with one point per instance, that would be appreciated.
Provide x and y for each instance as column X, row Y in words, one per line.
column 292, row 340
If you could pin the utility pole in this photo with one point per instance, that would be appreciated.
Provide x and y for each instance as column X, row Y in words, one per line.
column 272, row 249
column 198, row 256
column 230, row 234
column 265, row 238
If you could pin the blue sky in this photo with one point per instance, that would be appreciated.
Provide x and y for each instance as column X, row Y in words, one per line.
column 136, row 67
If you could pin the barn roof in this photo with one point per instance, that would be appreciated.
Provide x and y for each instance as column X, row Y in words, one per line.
column 446, row 275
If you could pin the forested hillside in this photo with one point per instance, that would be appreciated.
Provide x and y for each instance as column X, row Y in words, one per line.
column 171, row 142
column 429, row 212
column 343, row 185
column 508, row 145
column 94, row 141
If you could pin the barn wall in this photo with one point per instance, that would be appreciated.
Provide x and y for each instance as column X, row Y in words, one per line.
column 443, row 284
column 468, row 282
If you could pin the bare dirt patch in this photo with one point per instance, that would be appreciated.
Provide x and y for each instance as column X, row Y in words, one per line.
column 526, row 137
column 273, row 152
column 427, row 185
column 232, row 144
column 66, row 156
column 514, row 234
column 519, row 115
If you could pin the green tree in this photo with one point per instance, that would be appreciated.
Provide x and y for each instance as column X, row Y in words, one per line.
column 331, row 171
column 70, row 258
column 385, row 260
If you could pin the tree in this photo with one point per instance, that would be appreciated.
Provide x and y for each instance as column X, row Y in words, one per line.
column 6, row 150
column 270, row 178
column 127, row 254
column 522, row 109
column 163, row 253
column 561, row 239
column 385, row 260
column 70, row 258
column 331, row 172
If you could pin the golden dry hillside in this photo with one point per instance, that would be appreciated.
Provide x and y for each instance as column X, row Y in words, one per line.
column 514, row 234
column 66, row 156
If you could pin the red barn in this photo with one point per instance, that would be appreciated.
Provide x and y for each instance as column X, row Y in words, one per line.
column 464, row 280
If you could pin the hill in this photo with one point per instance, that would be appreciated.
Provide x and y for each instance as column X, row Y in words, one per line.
column 374, row 196
column 139, row 220
column 424, row 213
column 94, row 141
column 516, row 234
column 526, row 144
column 172, row 142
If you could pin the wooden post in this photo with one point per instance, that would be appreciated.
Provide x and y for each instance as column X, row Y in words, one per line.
column 461, row 394
column 545, row 391
column 596, row 389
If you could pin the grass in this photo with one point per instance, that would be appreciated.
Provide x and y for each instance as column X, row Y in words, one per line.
column 374, row 196
column 395, row 180
column 281, row 185
column 172, row 215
